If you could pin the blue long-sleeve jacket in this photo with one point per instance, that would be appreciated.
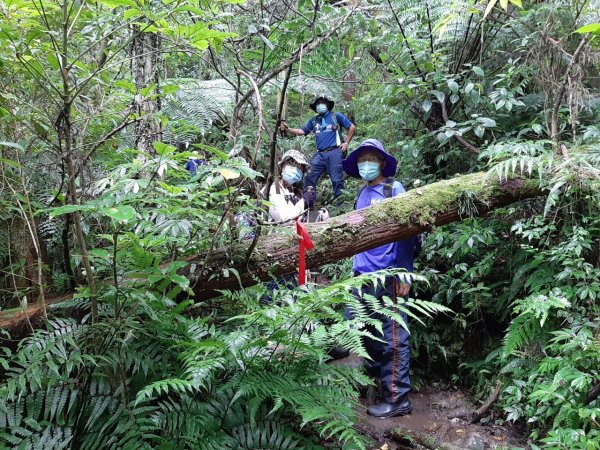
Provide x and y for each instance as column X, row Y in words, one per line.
column 399, row 254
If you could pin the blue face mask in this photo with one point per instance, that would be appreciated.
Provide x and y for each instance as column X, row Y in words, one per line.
column 291, row 174
column 321, row 109
column 368, row 170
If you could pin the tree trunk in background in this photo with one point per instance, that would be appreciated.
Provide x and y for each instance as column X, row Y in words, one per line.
column 346, row 235
column 22, row 253
column 349, row 87
column 145, row 69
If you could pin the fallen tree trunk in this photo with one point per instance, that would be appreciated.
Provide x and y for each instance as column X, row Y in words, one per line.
column 398, row 218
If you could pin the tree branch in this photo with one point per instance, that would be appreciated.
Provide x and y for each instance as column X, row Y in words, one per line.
column 304, row 48
column 259, row 113
column 405, row 41
column 101, row 141
column 461, row 140
column 482, row 411
column 562, row 89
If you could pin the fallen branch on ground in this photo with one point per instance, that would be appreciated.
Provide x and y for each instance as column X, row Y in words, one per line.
column 482, row 411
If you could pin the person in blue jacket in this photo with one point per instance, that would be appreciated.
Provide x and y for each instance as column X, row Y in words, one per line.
column 391, row 357
column 331, row 147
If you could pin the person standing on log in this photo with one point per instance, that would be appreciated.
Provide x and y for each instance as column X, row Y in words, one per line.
column 331, row 147
column 390, row 356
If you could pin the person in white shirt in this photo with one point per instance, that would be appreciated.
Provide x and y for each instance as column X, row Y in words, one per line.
column 285, row 196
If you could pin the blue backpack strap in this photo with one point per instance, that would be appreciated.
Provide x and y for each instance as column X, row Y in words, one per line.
column 336, row 124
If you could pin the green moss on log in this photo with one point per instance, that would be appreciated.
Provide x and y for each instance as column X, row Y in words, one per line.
column 424, row 204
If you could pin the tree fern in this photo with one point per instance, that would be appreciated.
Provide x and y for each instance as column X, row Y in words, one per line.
column 195, row 107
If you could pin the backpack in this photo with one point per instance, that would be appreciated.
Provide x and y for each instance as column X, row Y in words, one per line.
column 387, row 193
column 336, row 127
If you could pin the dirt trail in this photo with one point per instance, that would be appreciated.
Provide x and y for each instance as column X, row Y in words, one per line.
column 440, row 420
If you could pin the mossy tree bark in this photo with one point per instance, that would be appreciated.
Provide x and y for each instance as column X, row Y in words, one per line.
column 398, row 218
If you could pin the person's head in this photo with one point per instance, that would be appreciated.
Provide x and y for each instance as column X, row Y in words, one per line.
column 370, row 164
column 292, row 166
column 370, row 161
column 321, row 107
column 321, row 104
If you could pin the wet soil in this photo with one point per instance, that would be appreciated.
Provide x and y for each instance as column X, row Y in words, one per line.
column 439, row 420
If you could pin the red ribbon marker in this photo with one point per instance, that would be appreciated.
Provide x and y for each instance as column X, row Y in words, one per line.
column 304, row 243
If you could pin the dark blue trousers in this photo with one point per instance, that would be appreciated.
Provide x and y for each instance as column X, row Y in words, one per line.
column 331, row 163
column 390, row 358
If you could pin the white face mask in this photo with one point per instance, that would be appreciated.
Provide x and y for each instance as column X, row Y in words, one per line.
column 368, row 170
column 291, row 174
column 321, row 108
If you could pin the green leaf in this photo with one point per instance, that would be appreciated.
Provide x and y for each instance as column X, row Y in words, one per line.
column 148, row 89
column 117, row 3
column 126, row 85
column 593, row 28
column 489, row 8
column 439, row 95
column 131, row 12
column 163, row 149
column 427, row 105
column 12, row 145
column 53, row 60
column 170, row 89
column 68, row 209
column 487, row 122
column 121, row 213
column 180, row 280
column 10, row 162
column 191, row 9
column 99, row 253
column 478, row 70
column 229, row 174
column 453, row 85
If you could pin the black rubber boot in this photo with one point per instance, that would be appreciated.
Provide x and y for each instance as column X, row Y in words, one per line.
column 400, row 408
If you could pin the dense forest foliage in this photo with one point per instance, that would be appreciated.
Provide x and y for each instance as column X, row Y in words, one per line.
column 111, row 241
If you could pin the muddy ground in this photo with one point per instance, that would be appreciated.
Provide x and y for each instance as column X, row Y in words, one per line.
column 440, row 420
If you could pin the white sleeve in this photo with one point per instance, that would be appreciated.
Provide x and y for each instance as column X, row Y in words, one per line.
column 280, row 210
